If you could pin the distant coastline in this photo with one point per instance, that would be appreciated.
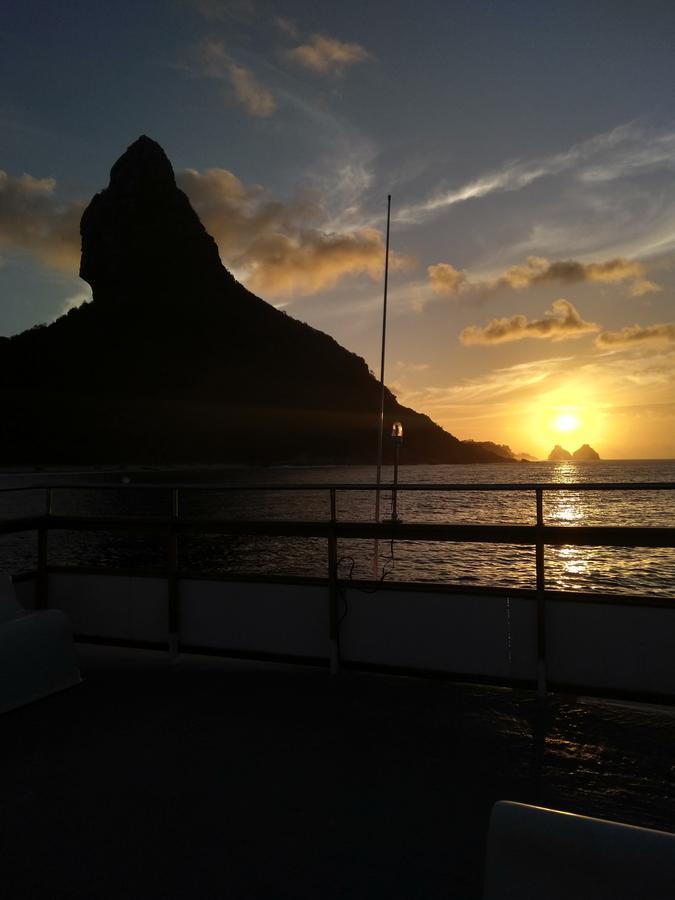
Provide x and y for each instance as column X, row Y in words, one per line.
column 52, row 470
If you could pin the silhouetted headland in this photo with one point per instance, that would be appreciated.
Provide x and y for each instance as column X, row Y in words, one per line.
column 175, row 361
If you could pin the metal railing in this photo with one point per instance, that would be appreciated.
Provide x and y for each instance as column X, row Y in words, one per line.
column 174, row 524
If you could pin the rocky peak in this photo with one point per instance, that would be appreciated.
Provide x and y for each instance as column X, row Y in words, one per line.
column 586, row 452
column 143, row 166
column 141, row 240
column 559, row 453
column 176, row 361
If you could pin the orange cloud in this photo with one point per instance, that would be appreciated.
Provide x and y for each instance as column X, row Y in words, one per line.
column 636, row 334
column 268, row 243
column 539, row 270
column 446, row 279
column 326, row 55
column 561, row 323
column 277, row 248
column 311, row 261
column 34, row 221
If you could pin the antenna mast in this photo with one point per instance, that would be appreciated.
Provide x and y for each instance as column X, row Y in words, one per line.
column 384, row 338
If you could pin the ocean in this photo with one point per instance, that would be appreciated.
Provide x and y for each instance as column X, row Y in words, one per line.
column 640, row 571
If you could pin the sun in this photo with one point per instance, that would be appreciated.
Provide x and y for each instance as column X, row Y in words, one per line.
column 567, row 422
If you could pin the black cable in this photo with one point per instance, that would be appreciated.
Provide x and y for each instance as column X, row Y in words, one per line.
column 378, row 584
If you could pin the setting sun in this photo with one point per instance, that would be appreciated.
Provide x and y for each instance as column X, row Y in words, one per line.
column 567, row 422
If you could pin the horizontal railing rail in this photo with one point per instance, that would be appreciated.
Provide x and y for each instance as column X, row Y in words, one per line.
column 174, row 523
column 549, row 535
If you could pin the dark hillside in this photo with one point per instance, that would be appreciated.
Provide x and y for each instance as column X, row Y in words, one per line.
column 174, row 360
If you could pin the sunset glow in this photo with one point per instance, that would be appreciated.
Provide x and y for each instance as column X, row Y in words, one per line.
column 532, row 264
column 567, row 422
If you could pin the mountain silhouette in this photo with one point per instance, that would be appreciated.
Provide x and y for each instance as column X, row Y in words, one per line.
column 586, row 453
column 175, row 361
column 559, row 453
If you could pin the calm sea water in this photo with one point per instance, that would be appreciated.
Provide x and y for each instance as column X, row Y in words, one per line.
column 643, row 571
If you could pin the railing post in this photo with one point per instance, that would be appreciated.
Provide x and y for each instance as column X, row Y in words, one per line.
column 541, row 597
column 42, row 595
column 172, row 578
column 333, row 627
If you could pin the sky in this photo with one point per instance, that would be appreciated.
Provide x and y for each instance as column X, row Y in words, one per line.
column 528, row 147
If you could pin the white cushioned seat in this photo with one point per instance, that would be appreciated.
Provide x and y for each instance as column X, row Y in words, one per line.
column 37, row 653
column 550, row 855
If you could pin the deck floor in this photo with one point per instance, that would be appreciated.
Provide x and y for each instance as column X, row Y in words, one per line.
column 212, row 778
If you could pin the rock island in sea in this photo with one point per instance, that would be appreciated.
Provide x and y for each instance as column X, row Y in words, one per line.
column 584, row 453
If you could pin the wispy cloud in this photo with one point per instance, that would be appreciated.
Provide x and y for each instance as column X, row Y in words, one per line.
column 499, row 386
column 641, row 153
column 637, row 335
column 250, row 93
column 561, row 323
column 34, row 220
column 399, row 365
column 327, row 55
column 286, row 26
column 623, row 151
column 210, row 59
column 446, row 280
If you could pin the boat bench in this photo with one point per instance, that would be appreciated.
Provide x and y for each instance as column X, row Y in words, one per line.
column 549, row 855
column 37, row 653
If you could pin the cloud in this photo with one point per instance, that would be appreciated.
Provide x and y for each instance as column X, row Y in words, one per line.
column 633, row 335
column 286, row 26
column 211, row 60
column 327, row 55
column 621, row 152
column 311, row 261
column 539, row 270
column 628, row 400
column 268, row 243
column 236, row 214
column 34, row 221
column 658, row 152
column 411, row 367
column 641, row 287
column 250, row 93
column 446, row 279
column 277, row 248
column 499, row 386
column 562, row 323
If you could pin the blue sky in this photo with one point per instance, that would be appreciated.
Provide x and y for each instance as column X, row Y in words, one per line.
column 529, row 149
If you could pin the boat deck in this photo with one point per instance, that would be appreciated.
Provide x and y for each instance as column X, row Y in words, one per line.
column 218, row 778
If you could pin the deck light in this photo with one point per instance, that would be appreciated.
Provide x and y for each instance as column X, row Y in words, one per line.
column 397, row 439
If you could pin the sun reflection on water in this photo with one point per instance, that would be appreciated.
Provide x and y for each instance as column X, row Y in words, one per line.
column 568, row 509
column 564, row 472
